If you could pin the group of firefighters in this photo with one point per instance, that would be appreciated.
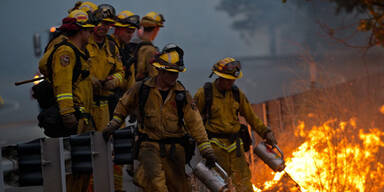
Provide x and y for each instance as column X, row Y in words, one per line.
column 99, row 79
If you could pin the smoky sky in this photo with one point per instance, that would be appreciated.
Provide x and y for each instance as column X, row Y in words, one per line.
column 200, row 27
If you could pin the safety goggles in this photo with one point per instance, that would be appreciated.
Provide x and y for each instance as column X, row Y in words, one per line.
column 179, row 66
column 133, row 20
column 232, row 68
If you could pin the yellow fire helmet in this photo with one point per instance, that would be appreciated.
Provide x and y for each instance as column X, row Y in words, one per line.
column 105, row 12
column 127, row 19
column 153, row 19
column 170, row 59
column 227, row 68
column 81, row 18
column 88, row 6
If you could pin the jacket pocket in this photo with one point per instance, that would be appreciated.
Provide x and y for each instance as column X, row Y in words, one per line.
column 151, row 120
column 171, row 124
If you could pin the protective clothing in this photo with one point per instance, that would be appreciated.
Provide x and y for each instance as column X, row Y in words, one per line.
column 270, row 138
column 82, row 18
column 228, row 68
column 105, row 12
column 129, row 80
column 153, row 19
column 225, row 120
column 69, row 120
column 112, row 126
column 170, row 59
column 127, row 19
column 70, row 95
column 162, row 169
column 106, row 67
column 88, row 6
column 145, row 56
column 209, row 155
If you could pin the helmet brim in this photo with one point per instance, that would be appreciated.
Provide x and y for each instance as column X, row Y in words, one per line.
column 117, row 24
column 227, row 76
column 160, row 66
column 87, row 26
column 109, row 20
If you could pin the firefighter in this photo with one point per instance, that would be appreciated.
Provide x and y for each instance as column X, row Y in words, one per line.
column 220, row 104
column 72, row 87
column 106, row 73
column 166, row 116
column 125, row 26
column 150, row 26
column 106, row 68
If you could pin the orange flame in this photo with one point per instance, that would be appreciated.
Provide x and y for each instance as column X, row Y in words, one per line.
column 335, row 156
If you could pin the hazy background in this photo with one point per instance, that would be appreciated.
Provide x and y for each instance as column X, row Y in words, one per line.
column 277, row 43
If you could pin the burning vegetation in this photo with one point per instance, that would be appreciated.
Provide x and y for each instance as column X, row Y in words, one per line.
column 333, row 140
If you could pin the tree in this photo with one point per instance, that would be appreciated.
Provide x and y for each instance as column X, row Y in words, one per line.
column 370, row 17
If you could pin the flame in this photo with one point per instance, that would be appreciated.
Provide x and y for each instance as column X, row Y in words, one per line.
column 37, row 76
column 382, row 109
column 335, row 156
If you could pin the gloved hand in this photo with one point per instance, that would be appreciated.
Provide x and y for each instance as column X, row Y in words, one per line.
column 111, row 83
column 270, row 138
column 209, row 156
column 111, row 127
column 96, row 83
column 69, row 121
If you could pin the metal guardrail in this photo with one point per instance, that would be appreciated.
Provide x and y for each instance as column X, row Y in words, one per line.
column 53, row 165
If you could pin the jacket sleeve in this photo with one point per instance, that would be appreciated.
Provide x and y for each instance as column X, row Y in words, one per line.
column 118, row 73
column 127, row 104
column 194, row 123
column 63, row 63
column 249, row 115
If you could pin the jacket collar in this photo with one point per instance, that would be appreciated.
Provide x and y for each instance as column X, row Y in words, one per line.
column 151, row 82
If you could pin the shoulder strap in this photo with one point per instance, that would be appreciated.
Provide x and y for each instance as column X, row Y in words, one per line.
column 112, row 44
column 236, row 93
column 236, row 96
column 143, row 97
column 181, row 101
column 54, row 36
column 76, row 68
column 208, row 100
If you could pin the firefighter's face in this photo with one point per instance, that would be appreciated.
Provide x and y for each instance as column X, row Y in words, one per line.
column 85, row 33
column 225, row 84
column 125, row 34
column 168, row 78
column 102, row 28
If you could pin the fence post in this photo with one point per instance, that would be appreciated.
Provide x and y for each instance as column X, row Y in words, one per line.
column 53, row 165
column 102, row 164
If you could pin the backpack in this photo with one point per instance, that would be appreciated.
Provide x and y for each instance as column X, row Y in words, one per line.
column 207, row 114
column 129, row 55
column 187, row 142
column 49, row 117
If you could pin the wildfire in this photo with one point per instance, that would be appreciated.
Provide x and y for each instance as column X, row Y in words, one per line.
column 335, row 156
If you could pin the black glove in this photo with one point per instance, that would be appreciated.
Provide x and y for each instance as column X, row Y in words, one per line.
column 209, row 156
column 111, row 127
column 270, row 138
column 70, row 122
